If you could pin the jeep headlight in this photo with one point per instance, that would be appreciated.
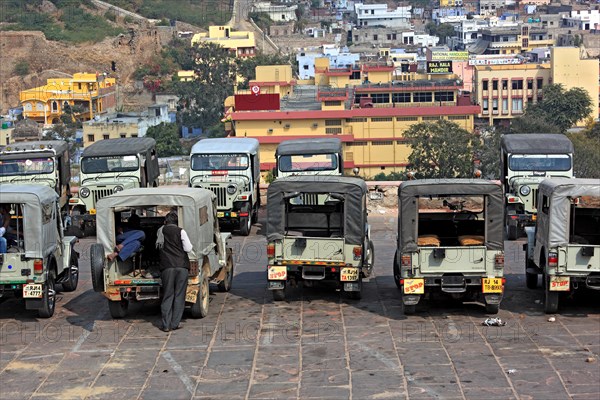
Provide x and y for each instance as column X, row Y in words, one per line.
column 525, row 190
column 84, row 192
column 231, row 189
column 117, row 189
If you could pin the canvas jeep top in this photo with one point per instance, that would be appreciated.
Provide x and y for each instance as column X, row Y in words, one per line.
column 321, row 156
column 450, row 239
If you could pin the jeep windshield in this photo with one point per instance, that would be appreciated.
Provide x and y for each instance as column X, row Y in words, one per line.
column 98, row 165
column 308, row 162
column 219, row 162
column 27, row 166
column 539, row 162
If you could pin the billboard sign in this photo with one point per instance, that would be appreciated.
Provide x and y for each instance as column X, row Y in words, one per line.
column 439, row 67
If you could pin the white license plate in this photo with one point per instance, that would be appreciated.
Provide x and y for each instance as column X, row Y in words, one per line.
column 349, row 274
column 33, row 291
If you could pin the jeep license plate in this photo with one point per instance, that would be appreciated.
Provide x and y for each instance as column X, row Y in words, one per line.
column 349, row 274
column 492, row 285
column 414, row 286
column 560, row 283
column 191, row 296
column 33, row 291
column 277, row 273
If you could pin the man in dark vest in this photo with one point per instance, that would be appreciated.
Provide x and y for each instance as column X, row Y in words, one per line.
column 174, row 244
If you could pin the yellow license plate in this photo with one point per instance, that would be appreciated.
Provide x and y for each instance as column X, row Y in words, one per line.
column 277, row 273
column 233, row 215
column 349, row 274
column 492, row 285
column 191, row 295
column 92, row 211
column 33, row 291
column 414, row 286
column 560, row 283
column 220, row 214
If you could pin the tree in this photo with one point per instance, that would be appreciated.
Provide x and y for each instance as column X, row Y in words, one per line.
column 558, row 111
column 167, row 139
column 21, row 68
column 442, row 30
column 441, row 150
column 586, row 160
column 201, row 101
column 489, row 153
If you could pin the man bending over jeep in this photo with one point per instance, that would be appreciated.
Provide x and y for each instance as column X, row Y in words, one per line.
column 129, row 239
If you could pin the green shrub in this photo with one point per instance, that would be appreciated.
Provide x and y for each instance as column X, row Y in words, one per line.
column 21, row 68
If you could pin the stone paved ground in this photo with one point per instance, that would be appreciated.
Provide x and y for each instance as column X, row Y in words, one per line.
column 315, row 345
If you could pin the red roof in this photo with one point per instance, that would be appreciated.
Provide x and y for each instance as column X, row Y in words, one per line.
column 279, row 139
column 273, row 83
column 357, row 112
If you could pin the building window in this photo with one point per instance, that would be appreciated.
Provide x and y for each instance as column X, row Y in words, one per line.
column 485, row 105
column 494, row 85
column 333, row 131
column 444, row 96
column 123, row 135
column 495, row 105
column 517, row 105
column 358, row 119
column 91, row 138
column 359, row 96
column 333, row 122
column 505, row 105
column 305, row 67
column 540, row 83
column 504, row 84
column 332, row 102
column 381, row 119
column 400, row 97
column 380, row 98
column 54, row 106
column 458, row 117
column 105, row 137
column 355, row 144
column 407, row 119
column 530, row 84
column 383, row 143
column 484, row 85
column 517, row 84
column 422, row 97
column 433, row 118
column 375, row 37
column 134, row 135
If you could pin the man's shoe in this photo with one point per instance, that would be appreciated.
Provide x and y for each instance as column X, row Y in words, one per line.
column 177, row 327
column 162, row 328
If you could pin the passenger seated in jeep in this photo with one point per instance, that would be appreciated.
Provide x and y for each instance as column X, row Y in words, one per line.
column 129, row 239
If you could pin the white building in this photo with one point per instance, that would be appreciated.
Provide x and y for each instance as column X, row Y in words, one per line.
column 337, row 59
column 466, row 33
column 583, row 20
column 277, row 13
column 370, row 15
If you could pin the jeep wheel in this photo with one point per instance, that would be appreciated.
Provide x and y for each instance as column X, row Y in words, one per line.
column 200, row 307
column 255, row 214
column 97, row 267
column 48, row 297
column 370, row 258
column 227, row 282
column 492, row 308
column 278, row 294
column 72, row 274
column 245, row 225
column 397, row 276
column 118, row 309
column 550, row 298
column 531, row 280
column 512, row 231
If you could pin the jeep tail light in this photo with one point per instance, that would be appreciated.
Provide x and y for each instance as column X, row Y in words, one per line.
column 271, row 250
column 357, row 251
column 406, row 261
column 553, row 260
column 499, row 261
column 38, row 266
column 243, row 214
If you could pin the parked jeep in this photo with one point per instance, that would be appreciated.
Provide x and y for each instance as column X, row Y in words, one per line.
column 43, row 162
column 450, row 240
column 110, row 166
column 322, row 156
column 38, row 255
column 564, row 246
column 317, row 230
column 138, row 277
column 526, row 160
column 230, row 168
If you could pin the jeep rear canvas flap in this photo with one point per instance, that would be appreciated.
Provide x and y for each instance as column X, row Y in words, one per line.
column 560, row 192
column 408, row 207
column 191, row 201
column 354, row 191
column 37, row 201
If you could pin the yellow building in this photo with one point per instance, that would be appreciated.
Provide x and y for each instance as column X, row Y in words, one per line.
column 504, row 91
column 570, row 70
column 86, row 94
column 512, row 39
column 241, row 43
column 451, row 3
column 368, row 118
column 273, row 79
